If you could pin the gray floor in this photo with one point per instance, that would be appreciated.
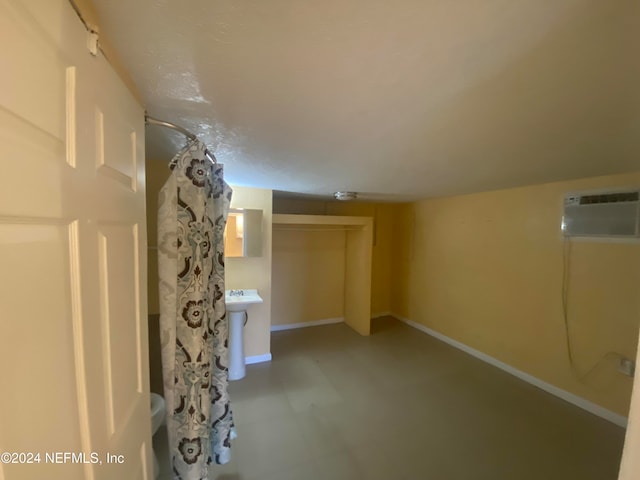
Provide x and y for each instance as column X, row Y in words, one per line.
column 400, row 405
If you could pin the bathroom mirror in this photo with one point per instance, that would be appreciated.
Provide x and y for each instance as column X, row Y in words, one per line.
column 243, row 233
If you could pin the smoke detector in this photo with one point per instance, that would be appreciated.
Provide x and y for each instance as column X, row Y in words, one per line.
column 345, row 195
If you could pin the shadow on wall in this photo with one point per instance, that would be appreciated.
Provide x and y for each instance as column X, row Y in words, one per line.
column 155, row 355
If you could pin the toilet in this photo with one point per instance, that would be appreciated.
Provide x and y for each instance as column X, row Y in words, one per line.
column 157, row 419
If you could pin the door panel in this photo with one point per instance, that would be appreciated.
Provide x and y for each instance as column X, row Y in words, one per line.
column 30, row 248
column 73, row 307
column 114, row 134
column 118, row 244
column 25, row 92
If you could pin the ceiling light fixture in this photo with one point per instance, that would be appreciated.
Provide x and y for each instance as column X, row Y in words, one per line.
column 345, row 195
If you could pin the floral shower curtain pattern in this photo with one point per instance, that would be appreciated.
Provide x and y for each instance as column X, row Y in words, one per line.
column 193, row 208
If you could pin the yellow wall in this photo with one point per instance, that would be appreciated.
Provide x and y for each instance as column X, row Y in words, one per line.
column 308, row 275
column 254, row 272
column 382, row 248
column 322, row 268
column 382, row 237
column 486, row 270
column 299, row 207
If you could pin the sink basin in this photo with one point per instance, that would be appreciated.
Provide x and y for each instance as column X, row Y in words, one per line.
column 239, row 300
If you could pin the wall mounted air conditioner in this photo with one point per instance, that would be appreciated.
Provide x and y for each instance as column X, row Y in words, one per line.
column 603, row 214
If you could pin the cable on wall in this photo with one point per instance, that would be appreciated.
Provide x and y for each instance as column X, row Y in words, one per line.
column 566, row 270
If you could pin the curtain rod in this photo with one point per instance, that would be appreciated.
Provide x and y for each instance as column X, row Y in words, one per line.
column 161, row 123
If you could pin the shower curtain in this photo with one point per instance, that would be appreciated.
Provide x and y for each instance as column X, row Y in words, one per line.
column 193, row 207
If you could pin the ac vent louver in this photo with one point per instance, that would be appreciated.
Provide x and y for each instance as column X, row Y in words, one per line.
column 607, row 214
column 609, row 198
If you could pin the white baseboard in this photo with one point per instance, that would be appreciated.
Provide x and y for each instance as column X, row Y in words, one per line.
column 314, row 323
column 547, row 387
column 381, row 314
column 257, row 359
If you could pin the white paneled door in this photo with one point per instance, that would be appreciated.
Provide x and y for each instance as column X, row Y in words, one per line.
column 74, row 401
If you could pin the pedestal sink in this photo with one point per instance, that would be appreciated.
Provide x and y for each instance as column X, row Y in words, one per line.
column 237, row 302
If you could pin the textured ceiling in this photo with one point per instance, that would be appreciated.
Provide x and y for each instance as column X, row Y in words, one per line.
column 398, row 100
